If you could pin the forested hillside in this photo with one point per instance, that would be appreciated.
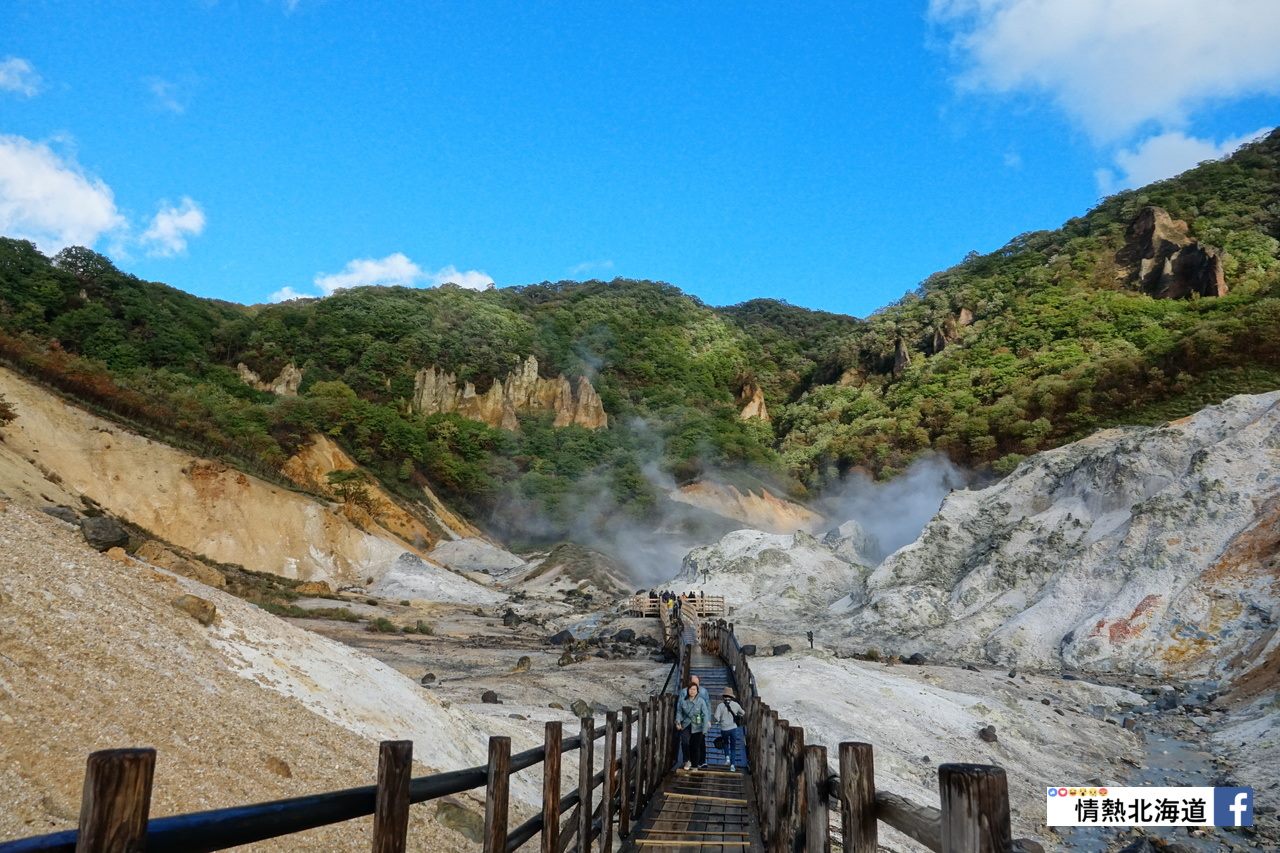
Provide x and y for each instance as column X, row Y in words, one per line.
column 1055, row 334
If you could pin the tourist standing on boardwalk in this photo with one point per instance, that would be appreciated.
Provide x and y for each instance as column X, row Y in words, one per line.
column 693, row 720
column 728, row 715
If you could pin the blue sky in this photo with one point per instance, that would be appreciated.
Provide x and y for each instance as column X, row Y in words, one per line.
column 832, row 154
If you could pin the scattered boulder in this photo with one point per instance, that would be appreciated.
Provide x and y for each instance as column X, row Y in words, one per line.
column 781, row 649
column 560, row 638
column 580, row 708
column 103, row 533
column 62, row 513
column 749, row 650
column 1044, row 701
column 490, row 697
column 524, row 664
column 511, row 619
column 556, row 706
column 157, row 554
column 916, row 659
column 428, row 679
column 197, row 608
column 1140, row 845
column 313, row 588
column 971, row 668
column 988, row 734
column 118, row 554
column 454, row 814
column 626, row 635
column 565, row 659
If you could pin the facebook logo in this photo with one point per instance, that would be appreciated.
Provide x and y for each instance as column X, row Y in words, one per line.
column 1233, row 807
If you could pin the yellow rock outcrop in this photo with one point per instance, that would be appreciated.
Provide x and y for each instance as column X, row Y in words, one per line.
column 522, row 391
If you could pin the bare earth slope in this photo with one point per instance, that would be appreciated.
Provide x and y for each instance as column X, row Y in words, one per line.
column 93, row 656
column 199, row 504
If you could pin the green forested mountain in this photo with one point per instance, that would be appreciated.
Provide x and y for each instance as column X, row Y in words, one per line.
column 1053, row 335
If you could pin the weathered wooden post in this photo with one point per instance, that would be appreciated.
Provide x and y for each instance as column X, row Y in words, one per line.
column 391, row 806
column 643, row 734
column 858, row 798
column 496, row 795
column 624, row 775
column 795, row 791
column 116, row 801
column 975, row 808
column 607, row 788
column 817, row 837
column 553, row 739
column 586, row 771
column 655, row 754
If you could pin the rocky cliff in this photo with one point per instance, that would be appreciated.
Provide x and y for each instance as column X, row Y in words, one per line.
column 284, row 385
column 199, row 504
column 751, row 399
column 1153, row 550
column 522, row 391
column 1162, row 258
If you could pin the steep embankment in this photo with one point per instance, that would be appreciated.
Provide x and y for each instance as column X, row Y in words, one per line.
column 1150, row 550
column 246, row 709
column 199, row 504
column 760, row 510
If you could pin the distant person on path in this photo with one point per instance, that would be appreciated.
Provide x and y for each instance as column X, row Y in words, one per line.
column 693, row 720
column 810, row 634
column 727, row 714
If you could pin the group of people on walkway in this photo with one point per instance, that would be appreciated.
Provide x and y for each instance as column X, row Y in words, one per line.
column 671, row 601
column 695, row 717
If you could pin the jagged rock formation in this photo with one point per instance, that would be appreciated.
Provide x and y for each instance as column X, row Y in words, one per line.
column 751, row 399
column 522, row 391
column 1154, row 550
column 1163, row 259
column 763, row 511
column 901, row 357
column 284, row 385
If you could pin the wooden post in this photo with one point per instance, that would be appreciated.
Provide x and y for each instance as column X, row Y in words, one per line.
column 553, row 738
column 391, row 806
column 975, row 808
column 496, row 795
column 642, row 760
column 858, row 798
column 769, row 768
column 116, row 801
column 624, row 775
column 586, row 770
column 655, row 735
column 607, row 789
column 795, row 791
column 817, row 837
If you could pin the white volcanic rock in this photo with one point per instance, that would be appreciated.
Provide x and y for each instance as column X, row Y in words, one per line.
column 474, row 555
column 1135, row 550
column 412, row 577
column 770, row 576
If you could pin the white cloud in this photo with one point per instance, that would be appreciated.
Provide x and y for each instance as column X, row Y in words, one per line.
column 395, row 269
column 470, row 279
column 1162, row 156
column 591, row 266
column 167, row 234
column 286, row 293
column 49, row 199
column 20, row 76
column 1116, row 65
column 167, row 95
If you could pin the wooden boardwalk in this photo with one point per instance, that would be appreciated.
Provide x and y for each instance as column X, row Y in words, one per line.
column 708, row 810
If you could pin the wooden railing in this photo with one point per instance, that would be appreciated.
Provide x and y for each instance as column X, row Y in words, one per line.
column 701, row 607
column 794, row 788
column 638, row 748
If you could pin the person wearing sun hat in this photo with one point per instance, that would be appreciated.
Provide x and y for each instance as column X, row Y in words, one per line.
column 728, row 715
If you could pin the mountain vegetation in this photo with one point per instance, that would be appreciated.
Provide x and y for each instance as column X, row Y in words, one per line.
column 1004, row 354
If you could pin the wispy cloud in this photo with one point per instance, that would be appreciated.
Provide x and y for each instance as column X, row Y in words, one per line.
column 167, row 95
column 1114, row 66
column 170, row 228
column 286, row 293
column 19, row 76
column 49, row 199
column 470, row 279
column 1159, row 157
column 603, row 265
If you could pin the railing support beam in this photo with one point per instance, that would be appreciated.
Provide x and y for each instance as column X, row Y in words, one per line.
column 391, row 805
